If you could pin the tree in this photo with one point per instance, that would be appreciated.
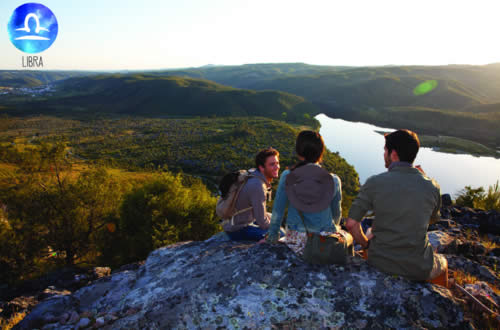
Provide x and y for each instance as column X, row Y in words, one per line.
column 77, row 210
column 56, row 211
column 21, row 247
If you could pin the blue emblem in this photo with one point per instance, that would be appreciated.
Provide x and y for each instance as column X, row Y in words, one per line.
column 32, row 28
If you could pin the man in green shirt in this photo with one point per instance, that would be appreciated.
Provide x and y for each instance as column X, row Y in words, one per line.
column 404, row 200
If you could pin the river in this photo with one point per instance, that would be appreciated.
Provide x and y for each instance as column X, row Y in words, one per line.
column 363, row 147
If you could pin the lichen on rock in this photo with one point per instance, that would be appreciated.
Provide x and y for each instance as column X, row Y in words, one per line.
column 219, row 283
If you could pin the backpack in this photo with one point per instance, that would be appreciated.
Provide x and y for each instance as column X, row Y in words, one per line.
column 230, row 188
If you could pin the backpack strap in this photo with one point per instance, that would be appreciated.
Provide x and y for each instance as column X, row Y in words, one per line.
column 235, row 198
column 240, row 212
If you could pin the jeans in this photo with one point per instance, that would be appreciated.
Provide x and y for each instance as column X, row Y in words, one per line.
column 249, row 233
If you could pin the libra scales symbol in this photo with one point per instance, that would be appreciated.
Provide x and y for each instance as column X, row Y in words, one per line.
column 26, row 28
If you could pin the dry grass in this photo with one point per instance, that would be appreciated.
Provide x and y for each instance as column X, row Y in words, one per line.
column 7, row 167
column 15, row 319
column 480, row 319
column 487, row 243
column 462, row 278
column 125, row 179
column 126, row 176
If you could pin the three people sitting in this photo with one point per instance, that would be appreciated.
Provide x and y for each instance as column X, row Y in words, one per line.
column 403, row 199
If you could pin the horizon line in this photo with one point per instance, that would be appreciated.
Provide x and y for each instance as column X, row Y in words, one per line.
column 256, row 63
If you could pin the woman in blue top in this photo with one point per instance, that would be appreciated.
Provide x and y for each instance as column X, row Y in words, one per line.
column 310, row 189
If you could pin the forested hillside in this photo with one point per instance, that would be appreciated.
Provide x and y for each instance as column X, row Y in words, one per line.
column 147, row 95
column 463, row 98
column 248, row 75
column 109, row 191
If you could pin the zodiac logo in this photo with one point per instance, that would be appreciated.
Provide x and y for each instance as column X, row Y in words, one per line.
column 32, row 28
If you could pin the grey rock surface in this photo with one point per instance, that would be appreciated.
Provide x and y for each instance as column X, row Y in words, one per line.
column 439, row 240
column 83, row 323
column 49, row 311
column 218, row 283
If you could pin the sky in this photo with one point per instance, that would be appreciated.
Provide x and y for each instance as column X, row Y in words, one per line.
column 160, row 34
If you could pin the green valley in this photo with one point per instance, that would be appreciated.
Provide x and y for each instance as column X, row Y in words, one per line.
column 464, row 100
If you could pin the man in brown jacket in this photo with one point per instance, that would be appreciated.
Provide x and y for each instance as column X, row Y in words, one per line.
column 404, row 200
column 253, row 224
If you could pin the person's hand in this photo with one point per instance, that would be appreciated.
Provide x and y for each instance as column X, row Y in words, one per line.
column 369, row 233
column 262, row 241
column 420, row 169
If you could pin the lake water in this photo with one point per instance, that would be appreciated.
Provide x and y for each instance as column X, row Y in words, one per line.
column 363, row 147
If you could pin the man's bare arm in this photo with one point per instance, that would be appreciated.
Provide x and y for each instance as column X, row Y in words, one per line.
column 356, row 231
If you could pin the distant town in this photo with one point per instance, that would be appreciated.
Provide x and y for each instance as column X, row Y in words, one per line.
column 32, row 91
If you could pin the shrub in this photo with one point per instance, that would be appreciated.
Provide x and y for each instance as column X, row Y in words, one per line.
column 478, row 198
column 470, row 197
column 165, row 211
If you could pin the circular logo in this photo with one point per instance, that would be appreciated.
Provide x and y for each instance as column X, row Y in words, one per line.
column 32, row 28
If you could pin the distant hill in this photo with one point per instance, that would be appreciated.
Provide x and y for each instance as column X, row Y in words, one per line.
column 484, row 108
column 460, row 85
column 249, row 75
column 143, row 94
column 463, row 102
column 25, row 78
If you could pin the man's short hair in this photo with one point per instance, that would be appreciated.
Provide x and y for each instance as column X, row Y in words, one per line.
column 405, row 142
column 260, row 159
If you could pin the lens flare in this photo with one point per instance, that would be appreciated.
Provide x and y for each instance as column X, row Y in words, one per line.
column 425, row 87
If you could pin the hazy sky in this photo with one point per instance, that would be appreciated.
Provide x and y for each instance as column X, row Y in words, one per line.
column 153, row 34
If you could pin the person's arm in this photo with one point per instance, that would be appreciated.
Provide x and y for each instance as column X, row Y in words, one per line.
column 436, row 214
column 357, row 233
column 362, row 204
column 336, row 204
column 280, row 202
column 258, row 203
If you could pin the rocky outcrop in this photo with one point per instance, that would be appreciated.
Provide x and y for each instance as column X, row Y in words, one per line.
column 487, row 222
column 61, row 282
column 469, row 239
column 218, row 283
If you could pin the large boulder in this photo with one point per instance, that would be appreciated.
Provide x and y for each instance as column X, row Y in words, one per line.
column 218, row 283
